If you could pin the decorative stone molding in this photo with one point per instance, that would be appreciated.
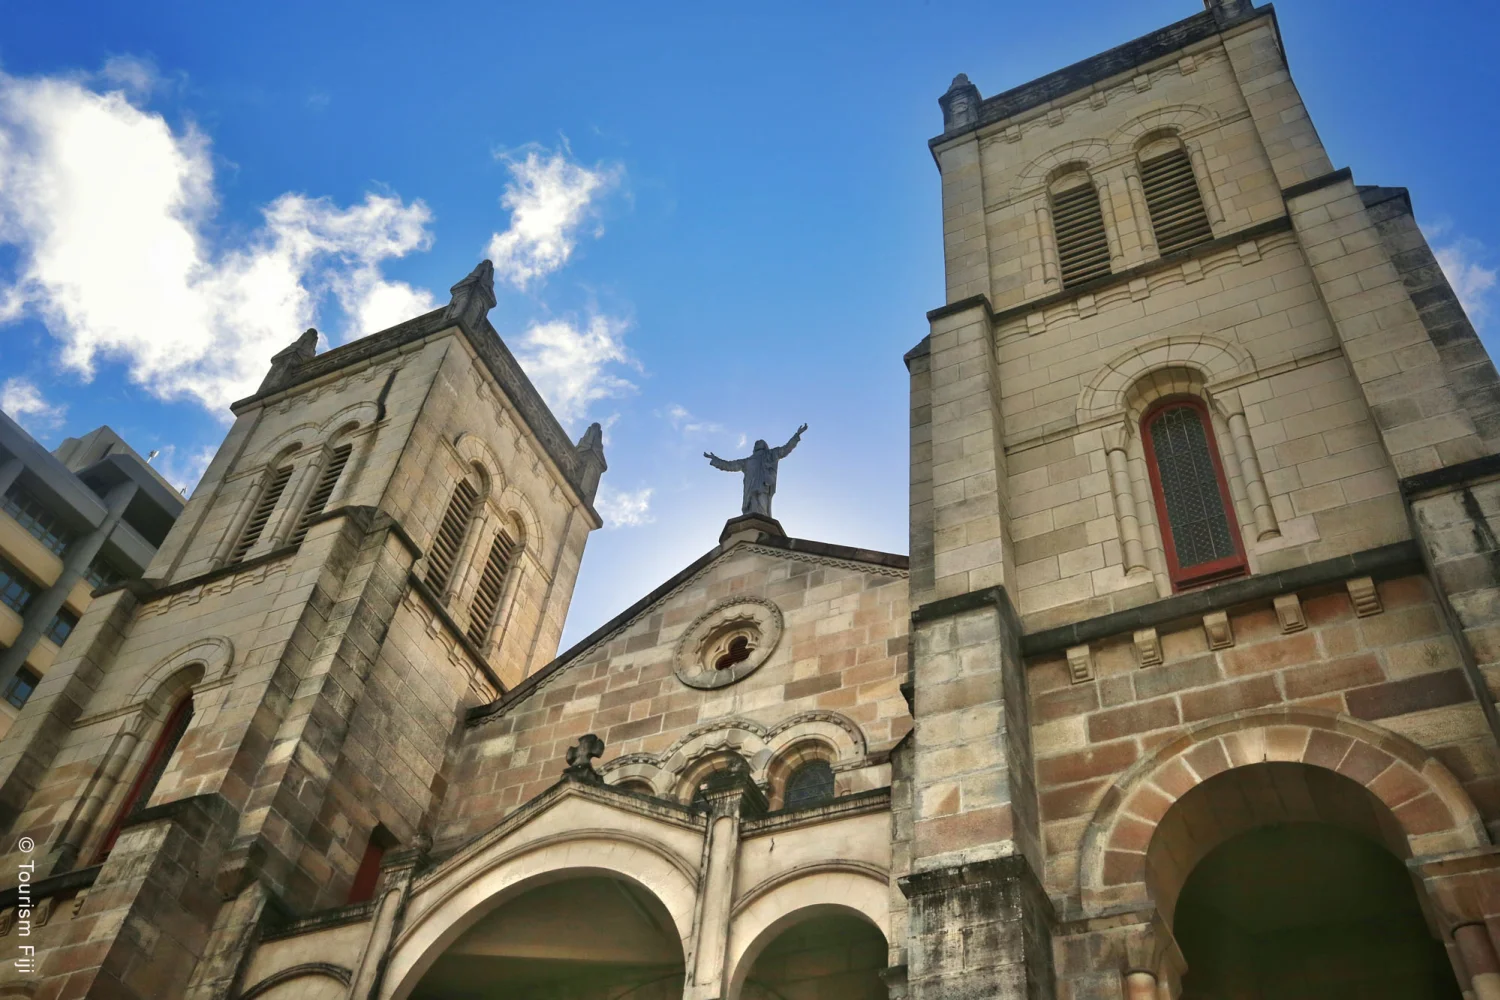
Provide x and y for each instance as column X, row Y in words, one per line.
column 1289, row 613
column 715, row 635
column 1080, row 664
column 1148, row 647
column 1216, row 626
column 1364, row 596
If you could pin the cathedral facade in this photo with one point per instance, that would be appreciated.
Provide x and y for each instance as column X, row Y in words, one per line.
column 1186, row 689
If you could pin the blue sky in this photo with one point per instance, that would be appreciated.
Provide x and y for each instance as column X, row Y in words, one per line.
column 714, row 222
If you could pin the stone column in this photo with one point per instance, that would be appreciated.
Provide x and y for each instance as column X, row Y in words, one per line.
column 1047, row 243
column 1138, row 206
column 390, row 909
column 732, row 797
column 41, row 609
column 1111, row 226
column 1206, row 187
column 1244, row 450
column 1480, row 963
column 1132, row 552
column 1140, row 985
column 77, row 830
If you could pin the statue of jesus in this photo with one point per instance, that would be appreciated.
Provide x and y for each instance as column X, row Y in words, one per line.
column 760, row 472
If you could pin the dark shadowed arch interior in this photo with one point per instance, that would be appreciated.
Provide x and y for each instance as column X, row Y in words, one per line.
column 829, row 956
column 1292, row 891
column 586, row 938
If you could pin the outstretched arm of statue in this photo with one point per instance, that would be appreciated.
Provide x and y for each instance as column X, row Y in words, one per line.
column 725, row 464
column 786, row 449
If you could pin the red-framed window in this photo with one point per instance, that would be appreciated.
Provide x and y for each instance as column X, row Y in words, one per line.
column 1193, row 505
column 150, row 775
column 368, row 872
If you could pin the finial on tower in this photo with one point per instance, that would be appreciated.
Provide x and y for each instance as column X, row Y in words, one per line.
column 591, row 464
column 474, row 296
column 960, row 104
column 285, row 361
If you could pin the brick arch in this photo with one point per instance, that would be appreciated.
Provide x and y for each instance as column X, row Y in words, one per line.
column 1089, row 154
column 1107, row 393
column 1176, row 118
column 1430, row 810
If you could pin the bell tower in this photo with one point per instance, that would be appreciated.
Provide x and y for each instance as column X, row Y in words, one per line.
column 389, row 534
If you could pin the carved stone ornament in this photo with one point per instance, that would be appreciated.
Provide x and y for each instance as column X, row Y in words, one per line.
column 1080, row 664
column 728, row 642
column 581, row 759
column 1148, row 647
column 1220, row 633
column 1364, row 596
column 1289, row 613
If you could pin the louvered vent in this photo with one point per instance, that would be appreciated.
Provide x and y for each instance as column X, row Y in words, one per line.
column 1177, row 215
column 451, row 534
column 262, row 513
column 1082, row 244
column 320, row 494
column 491, row 582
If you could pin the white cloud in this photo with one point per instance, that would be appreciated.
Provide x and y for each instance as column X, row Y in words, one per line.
column 21, row 399
column 624, row 508
column 569, row 364
column 109, row 209
column 183, row 471
column 549, row 198
column 1472, row 282
column 688, row 424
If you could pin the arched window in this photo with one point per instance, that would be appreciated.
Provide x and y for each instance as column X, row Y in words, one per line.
column 636, row 786
column 810, row 784
column 1078, row 223
column 1192, row 497
column 270, row 496
column 491, row 586
column 704, row 774
column 1172, row 197
column 155, row 766
column 738, row 652
column 328, row 481
column 452, row 531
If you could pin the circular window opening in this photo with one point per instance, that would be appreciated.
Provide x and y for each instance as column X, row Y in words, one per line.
column 738, row 652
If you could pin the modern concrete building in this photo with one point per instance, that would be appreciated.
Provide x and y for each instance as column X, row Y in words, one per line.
column 1187, row 688
column 88, row 515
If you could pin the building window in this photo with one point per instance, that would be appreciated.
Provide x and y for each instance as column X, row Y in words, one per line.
column 264, row 508
column 320, row 494
column 155, row 766
column 20, row 686
column 61, row 626
column 809, row 785
column 451, row 533
column 16, row 588
column 101, row 574
column 36, row 519
column 1078, row 223
column 1192, row 497
column 1172, row 197
column 368, row 872
column 491, row 584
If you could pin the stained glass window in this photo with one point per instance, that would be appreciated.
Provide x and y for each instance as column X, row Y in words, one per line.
column 809, row 785
column 1191, row 495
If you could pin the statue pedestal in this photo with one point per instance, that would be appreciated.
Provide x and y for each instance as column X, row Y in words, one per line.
column 748, row 527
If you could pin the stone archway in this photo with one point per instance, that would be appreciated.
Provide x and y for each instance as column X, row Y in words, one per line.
column 1426, row 803
column 1283, row 879
column 838, row 911
column 458, row 901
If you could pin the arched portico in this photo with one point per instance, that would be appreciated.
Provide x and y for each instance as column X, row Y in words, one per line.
column 764, row 915
column 442, row 910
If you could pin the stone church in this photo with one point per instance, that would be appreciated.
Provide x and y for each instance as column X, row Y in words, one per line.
column 1186, row 689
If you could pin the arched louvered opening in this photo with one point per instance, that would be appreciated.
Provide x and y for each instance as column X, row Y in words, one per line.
column 1193, row 506
column 270, row 496
column 1178, row 217
column 328, row 481
column 491, row 586
column 453, row 530
column 1078, row 223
